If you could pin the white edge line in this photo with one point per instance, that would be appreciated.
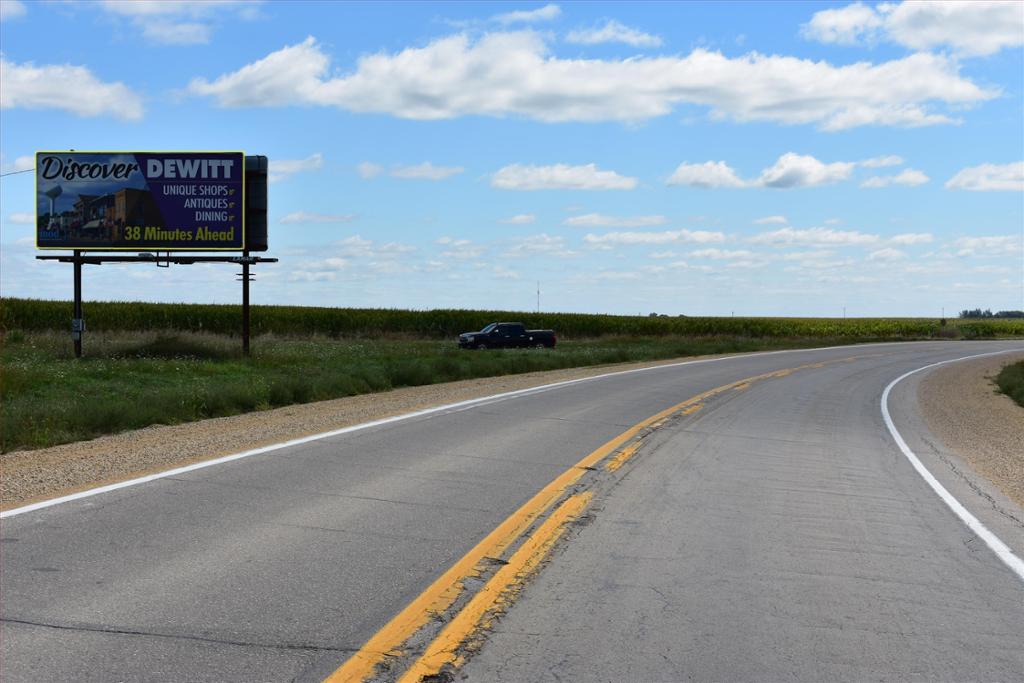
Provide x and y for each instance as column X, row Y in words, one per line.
column 1002, row 551
column 396, row 418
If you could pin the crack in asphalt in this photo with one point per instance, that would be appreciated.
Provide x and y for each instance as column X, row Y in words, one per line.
column 333, row 495
column 172, row 636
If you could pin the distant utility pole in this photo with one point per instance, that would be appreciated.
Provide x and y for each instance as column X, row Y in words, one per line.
column 538, row 296
column 844, row 312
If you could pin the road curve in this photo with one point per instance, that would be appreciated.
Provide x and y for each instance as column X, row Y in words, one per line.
column 775, row 532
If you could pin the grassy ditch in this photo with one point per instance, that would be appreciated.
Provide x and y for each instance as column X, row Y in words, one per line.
column 131, row 380
column 1010, row 381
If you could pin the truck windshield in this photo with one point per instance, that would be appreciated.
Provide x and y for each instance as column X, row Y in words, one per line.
column 489, row 328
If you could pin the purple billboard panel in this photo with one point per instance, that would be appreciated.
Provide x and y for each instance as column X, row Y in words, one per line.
column 140, row 201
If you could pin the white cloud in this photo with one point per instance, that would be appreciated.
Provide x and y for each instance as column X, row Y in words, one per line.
column 816, row 236
column 307, row 217
column 832, row 221
column 545, row 13
column 796, row 170
column 65, row 86
column 909, row 177
column 368, row 170
column 988, row 177
column 519, row 219
column 710, row 174
column 968, row 27
column 161, row 20
column 23, row 163
column 514, row 73
column 886, row 254
column 22, row 219
column 503, row 273
column 11, row 9
column 769, row 220
column 460, row 249
column 182, row 33
column 667, row 237
column 597, row 220
column 542, row 244
column 789, row 171
column 723, row 254
column 912, row 238
column 986, row 246
column 282, row 169
column 882, row 161
column 560, row 177
column 842, row 25
column 613, row 32
column 425, row 171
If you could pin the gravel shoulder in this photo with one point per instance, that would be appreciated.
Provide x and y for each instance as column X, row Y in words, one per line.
column 961, row 406
column 34, row 475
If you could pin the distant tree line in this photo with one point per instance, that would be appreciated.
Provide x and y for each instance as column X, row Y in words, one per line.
column 987, row 313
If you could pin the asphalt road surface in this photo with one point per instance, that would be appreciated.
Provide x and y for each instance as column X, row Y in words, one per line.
column 769, row 529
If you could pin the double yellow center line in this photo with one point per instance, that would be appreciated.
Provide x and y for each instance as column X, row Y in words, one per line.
column 446, row 649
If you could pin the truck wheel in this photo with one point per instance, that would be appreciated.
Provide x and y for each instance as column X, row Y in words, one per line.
column 481, row 347
column 540, row 345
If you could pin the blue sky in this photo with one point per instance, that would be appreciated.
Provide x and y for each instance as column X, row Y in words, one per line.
column 696, row 158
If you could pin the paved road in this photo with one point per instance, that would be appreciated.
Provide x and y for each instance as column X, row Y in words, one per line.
column 775, row 534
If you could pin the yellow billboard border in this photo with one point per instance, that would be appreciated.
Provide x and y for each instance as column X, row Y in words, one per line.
column 142, row 151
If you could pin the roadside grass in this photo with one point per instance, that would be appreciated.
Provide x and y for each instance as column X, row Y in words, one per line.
column 1010, row 381
column 128, row 380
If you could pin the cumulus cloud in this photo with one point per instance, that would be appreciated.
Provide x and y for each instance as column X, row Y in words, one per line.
column 425, row 171
column 545, row 13
column 881, row 161
column 666, row 237
column 460, row 249
column 519, row 219
column 797, row 170
column 182, row 33
column 986, row 246
column 968, row 27
column 710, row 175
column 769, row 220
column 613, row 32
column 65, row 86
column 597, row 220
column 815, row 236
column 909, row 177
column 723, row 254
column 537, row 245
column 514, row 73
column 308, row 217
column 22, row 219
column 560, row 177
column 22, row 163
column 886, row 254
column 989, row 177
column 12, row 9
column 912, row 238
column 790, row 170
column 369, row 170
column 282, row 169
column 176, row 22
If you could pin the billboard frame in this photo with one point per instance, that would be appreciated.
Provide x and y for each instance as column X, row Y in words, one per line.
column 243, row 248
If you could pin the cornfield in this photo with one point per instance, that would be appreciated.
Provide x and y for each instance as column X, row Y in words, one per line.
column 302, row 321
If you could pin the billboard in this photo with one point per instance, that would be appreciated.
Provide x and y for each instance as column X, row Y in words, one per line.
column 140, row 201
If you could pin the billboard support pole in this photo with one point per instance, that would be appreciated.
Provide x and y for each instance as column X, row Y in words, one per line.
column 245, row 303
column 77, row 324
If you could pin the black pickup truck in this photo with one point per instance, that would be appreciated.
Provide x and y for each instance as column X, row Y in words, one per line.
column 507, row 336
